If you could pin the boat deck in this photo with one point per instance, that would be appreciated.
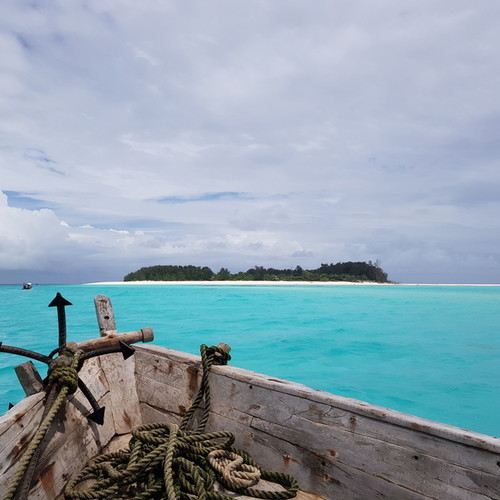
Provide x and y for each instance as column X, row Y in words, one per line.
column 301, row 495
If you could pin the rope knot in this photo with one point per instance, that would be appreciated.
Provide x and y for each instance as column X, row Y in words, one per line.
column 235, row 472
column 217, row 354
column 62, row 372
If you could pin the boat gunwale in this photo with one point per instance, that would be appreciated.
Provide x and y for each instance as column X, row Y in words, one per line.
column 395, row 417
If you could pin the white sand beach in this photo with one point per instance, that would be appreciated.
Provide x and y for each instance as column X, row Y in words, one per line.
column 282, row 283
column 236, row 282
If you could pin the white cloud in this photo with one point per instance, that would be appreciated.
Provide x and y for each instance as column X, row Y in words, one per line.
column 346, row 128
column 29, row 238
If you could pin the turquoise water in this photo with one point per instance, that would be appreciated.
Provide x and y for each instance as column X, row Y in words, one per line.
column 432, row 351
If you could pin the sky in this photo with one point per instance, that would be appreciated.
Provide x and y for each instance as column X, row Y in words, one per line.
column 242, row 133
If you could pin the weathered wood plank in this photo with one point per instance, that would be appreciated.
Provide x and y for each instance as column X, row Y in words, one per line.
column 151, row 414
column 105, row 315
column 29, row 378
column 350, row 449
column 166, row 397
column 398, row 464
column 119, row 373
column 17, row 427
column 93, row 377
column 261, row 485
column 71, row 441
column 378, row 413
column 309, row 467
column 300, row 413
column 178, row 371
column 113, row 340
column 119, row 442
column 69, row 449
column 394, row 464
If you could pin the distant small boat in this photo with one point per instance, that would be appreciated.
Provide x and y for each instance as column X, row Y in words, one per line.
column 27, row 286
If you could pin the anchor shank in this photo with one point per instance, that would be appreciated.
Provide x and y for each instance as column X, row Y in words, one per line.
column 86, row 392
column 100, row 352
column 61, row 319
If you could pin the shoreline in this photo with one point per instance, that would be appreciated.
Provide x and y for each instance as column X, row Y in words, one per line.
column 280, row 283
column 237, row 282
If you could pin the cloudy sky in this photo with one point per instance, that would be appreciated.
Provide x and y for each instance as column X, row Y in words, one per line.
column 235, row 133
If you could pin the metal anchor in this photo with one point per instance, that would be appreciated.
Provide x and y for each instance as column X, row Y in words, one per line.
column 108, row 343
column 97, row 347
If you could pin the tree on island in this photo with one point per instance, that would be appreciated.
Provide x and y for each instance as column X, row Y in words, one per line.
column 342, row 271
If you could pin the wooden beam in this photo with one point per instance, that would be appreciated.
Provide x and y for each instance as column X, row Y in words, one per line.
column 105, row 315
column 112, row 340
column 29, row 378
column 119, row 372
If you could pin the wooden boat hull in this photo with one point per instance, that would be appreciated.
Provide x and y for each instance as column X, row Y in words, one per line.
column 336, row 447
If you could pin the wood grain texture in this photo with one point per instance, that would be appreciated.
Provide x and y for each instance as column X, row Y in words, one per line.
column 336, row 447
column 29, row 378
column 73, row 439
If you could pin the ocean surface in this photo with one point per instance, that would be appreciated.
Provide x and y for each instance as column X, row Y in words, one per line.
column 431, row 351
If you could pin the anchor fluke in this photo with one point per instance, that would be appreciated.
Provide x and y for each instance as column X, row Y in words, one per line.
column 98, row 416
column 126, row 350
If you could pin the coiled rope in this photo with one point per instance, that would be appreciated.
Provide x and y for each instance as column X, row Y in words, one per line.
column 165, row 460
column 63, row 375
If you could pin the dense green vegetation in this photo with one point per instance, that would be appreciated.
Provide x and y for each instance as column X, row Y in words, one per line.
column 342, row 271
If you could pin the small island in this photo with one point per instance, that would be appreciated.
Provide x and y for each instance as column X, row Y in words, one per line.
column 342, row 271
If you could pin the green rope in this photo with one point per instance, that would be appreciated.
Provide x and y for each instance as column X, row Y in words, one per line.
column 67, row 371
column 209, row 356
column 165, row 460
column 63, row 371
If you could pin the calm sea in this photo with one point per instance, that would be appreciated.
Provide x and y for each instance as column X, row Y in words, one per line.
column 432, row 351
